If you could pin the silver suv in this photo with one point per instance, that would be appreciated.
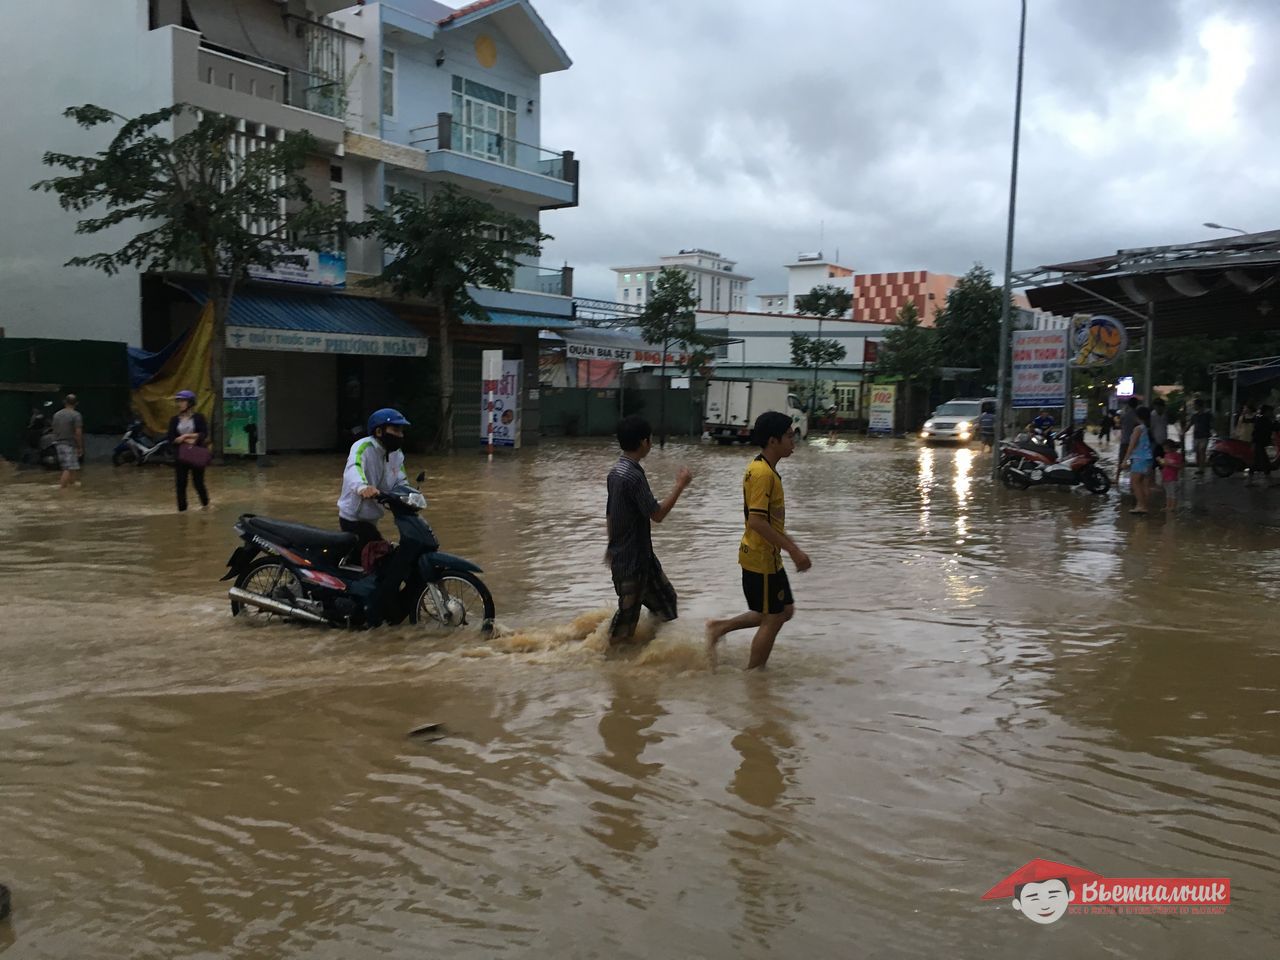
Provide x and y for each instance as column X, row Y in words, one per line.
column 956, row 421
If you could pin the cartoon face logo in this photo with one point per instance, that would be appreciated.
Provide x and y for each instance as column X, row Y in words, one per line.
column 1041, row 890
column 1043, row 902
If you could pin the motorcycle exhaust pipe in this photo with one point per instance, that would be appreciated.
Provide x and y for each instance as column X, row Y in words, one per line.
column 272, row 605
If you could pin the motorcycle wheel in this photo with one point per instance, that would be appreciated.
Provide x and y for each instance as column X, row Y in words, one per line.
column 466, row 587
column 1221, row 465
column 267, row 577
column 1012, row 478
column 121, row 457
column 1095, row 481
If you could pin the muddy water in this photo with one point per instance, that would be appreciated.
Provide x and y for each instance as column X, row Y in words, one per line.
column 974, row 679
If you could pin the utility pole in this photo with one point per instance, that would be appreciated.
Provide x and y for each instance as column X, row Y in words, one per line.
column 1006, row 319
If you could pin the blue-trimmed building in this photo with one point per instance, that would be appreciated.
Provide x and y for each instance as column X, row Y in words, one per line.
column 402, row 96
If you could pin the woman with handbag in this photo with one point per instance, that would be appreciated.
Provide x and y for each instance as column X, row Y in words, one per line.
column 189, row 432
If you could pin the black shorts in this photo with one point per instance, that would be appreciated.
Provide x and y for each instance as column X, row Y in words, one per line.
column 767, row 592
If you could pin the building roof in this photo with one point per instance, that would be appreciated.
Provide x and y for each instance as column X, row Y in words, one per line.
column 1219, row 287
column 523, row 26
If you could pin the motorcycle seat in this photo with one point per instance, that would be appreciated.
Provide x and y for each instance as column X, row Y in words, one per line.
column 301, row 535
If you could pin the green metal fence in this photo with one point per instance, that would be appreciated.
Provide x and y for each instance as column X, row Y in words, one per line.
column 35, row 370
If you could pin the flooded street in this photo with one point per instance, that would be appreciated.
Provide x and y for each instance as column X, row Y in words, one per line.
column 974, row 678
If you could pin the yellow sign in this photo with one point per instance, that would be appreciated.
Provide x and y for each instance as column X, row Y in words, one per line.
column 486, row 51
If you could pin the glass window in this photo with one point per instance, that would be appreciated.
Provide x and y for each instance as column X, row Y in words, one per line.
column 487, row 121
column 389, row 83
column 626, row 294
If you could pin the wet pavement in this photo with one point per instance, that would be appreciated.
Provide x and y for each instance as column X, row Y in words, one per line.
column 975, row 677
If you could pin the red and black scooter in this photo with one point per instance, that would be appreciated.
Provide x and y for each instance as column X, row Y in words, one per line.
column 1228, row 456
column 1023, row 464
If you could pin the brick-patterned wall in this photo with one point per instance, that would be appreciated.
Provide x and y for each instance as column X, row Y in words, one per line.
column 877, row 297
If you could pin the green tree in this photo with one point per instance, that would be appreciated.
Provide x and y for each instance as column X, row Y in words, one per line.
column 200, row 206
column 668, row 321
column 969, row 324
column 826, row 302
column 442, row 245
column 909, row 351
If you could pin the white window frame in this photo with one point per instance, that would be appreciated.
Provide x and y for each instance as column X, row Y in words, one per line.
column 394, row 70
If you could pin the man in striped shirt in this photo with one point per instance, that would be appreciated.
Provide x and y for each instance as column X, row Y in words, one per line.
column 637, row 575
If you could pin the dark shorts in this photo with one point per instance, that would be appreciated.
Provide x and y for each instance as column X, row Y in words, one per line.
column 767, row 592
column 647, row 588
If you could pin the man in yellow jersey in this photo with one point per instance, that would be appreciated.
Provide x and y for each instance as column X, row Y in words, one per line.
column 764, row 581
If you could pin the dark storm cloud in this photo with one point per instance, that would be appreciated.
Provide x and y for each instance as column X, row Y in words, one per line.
column 883, row 128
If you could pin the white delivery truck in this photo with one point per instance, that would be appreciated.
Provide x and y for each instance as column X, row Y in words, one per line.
column 733, row 405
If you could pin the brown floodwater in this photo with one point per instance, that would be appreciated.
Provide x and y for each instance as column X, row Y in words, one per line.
column 974, row 678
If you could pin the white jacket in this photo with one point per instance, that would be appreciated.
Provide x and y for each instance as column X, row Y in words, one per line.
column 368, row 464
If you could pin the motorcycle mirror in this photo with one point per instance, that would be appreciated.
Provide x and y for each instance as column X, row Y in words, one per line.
column 422, row 476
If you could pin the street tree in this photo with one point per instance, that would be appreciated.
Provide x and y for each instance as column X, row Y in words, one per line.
column 669, row 321
column 815, row 352
column 826, row 302
column 969, row 324
column 441, row 246
column 198, row 205
column 909, row 351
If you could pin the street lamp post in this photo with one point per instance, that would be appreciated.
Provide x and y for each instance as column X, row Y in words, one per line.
column 1219, row 226
column 1006, row 305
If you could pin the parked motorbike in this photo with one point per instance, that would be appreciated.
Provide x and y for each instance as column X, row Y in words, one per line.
column 1228, row 456
column 1024, row 463
column 136, row 446
column 298, row 572
column 41, row 447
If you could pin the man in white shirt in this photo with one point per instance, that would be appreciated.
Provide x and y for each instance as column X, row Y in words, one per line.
column 375, row 465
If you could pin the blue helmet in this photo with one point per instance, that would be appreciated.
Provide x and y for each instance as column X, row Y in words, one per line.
column 380, row 418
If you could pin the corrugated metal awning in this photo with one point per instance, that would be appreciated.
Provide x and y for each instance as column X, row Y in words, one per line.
column 317, row 323
column 505, row 318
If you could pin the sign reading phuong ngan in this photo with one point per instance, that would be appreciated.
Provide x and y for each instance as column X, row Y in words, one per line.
column 298, row 341
column 1040, row 368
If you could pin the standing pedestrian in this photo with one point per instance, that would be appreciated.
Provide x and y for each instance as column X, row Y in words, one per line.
column 631, row 508
column 1104, row 428
column 764, row 581
column 68, row 432
column 1242, row 429
column 1128, row 420
column 189, row 435
column 1159, row 423
column 1263, row 426
column 1171, row 462
column 1140, row 460
column 1201, row 428
column 987, row 425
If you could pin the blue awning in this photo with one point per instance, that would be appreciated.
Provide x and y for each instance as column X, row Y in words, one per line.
column 318, row 323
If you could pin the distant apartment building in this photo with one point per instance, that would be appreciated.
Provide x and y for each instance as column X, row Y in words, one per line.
column 715, row 282
column 808, row 271
column 879, row 297
column 399, row 97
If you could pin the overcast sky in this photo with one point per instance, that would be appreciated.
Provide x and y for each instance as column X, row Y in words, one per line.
column 743, row 125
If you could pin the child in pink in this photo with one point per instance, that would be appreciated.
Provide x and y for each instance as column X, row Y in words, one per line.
column 1171, row 463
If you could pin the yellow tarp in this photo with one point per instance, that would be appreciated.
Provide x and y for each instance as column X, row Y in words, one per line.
column 187, row 369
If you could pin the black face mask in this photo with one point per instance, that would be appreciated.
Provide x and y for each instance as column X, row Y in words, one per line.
column 390, row 443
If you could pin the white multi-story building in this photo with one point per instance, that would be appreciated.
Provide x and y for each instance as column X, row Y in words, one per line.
column 715, row 283
column 407, row 96
column 808, row 271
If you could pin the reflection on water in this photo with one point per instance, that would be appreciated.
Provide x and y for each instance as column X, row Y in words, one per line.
column 975, row 677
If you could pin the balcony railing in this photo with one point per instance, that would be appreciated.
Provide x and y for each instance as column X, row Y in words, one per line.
column 533, row 279
column 483, row 144
column 288, row 85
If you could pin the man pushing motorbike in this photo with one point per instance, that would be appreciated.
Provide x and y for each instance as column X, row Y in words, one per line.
column 375, row 465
